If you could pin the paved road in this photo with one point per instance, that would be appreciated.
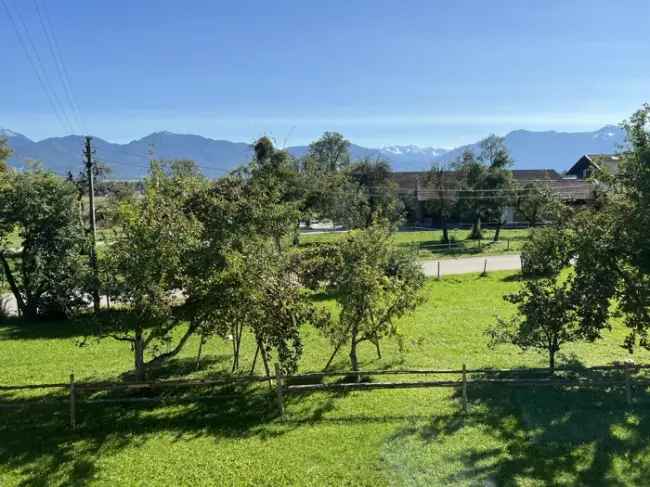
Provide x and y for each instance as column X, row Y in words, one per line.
column 465, row 265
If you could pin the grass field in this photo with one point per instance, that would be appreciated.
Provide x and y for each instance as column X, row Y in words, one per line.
column 405, row 437
column 429, row 245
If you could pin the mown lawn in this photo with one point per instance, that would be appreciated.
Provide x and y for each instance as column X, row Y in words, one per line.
column 403, row 437
column 428, row 242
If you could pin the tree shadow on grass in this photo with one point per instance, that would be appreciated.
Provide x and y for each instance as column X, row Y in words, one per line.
column 17, row 329
column 547, row 435
column 39, row 444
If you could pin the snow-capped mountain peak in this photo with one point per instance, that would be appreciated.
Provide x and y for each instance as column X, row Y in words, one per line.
column 608, row 132
column 412, row 150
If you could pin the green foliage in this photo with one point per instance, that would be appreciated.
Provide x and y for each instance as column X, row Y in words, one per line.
column 538, row 204
column 48, row 275
column 330, row 153
column 273, row 191
column 5, row 152
column 374, row 284
column 547, row 252
column 377, row 197
column 329, row 193
column 543, row 435
column 237, row 282
column 486, row 183
column 442, row 204
column 316, row 265
column 547, row 318
column 612, row 256
column 146, row 265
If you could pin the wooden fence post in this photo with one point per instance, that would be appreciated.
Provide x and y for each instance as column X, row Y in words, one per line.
column 278, row 389
column 438, row 270
column 508, row 244
column 464, row 388
column 628, row 386
column 485, row 267
column 73, row 404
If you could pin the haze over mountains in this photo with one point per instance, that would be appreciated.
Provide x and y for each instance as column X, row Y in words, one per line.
column 530, row 150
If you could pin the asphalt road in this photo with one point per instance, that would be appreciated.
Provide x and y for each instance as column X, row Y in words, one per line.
column 466, row 265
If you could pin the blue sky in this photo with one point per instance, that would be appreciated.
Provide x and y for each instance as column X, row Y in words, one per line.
column 435, row 73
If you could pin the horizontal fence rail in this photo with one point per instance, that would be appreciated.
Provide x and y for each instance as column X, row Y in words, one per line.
column 287, row 384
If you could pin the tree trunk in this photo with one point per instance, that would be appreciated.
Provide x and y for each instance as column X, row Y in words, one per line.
column 265, row 361
column 138, row 349
column 296, row 235
column 445, row 231
column 376, row 342
column 240, row 331
column 12, row 285
column 476, row 228
column 198, row 353
column 257, row 351
column 551, row 360
column 497, row 232
column 354, row 361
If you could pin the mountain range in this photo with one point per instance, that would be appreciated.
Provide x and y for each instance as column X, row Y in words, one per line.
column 529, row 149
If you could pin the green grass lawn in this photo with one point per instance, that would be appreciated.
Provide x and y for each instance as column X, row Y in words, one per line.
column 511, row 436
column 428, row 243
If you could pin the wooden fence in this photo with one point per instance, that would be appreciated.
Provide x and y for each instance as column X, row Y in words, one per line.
column 284, row 385
column 458, row 246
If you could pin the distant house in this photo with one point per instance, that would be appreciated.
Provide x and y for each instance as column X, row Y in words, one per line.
column 589, row 164
column 417, row 188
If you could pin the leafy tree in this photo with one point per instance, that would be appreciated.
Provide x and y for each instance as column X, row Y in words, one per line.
column 48, row 274
column 536, row 203
column 547, row 251
column 374, row 284
column 547, row 318
column 498, row 179
column 443, row 188
column 272, row 184
column 238, row 282
column 377, row 195
column 470, row 192
column 330, row 153
column 147, row 265
column 486, row 183
column 612, row 256
column 329, row 193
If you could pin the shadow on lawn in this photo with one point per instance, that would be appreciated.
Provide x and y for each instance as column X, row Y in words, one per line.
column 37, row 442
column 551, row 436
column 17, row 329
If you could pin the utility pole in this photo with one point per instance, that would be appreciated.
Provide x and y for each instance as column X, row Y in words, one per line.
column 88, row 153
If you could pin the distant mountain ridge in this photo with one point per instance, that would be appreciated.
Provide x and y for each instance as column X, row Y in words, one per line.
column 530, row 150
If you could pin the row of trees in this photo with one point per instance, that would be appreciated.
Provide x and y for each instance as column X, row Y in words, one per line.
column 193, row 257
column 608, row 248
column 480, row 187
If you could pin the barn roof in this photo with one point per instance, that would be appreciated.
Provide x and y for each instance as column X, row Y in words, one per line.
column 608, row 162
column 417, row 182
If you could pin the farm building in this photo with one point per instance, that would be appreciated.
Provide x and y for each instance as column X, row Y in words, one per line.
column 588, row 164
column 417, row 189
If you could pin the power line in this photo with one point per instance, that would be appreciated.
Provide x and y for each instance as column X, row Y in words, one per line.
column 33, row 61
column 60, row 64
